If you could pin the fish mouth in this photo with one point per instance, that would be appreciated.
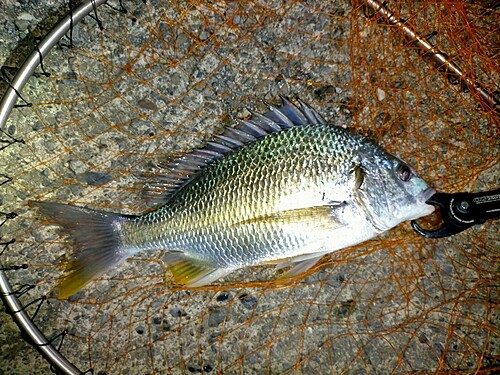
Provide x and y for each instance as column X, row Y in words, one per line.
column 427, row 193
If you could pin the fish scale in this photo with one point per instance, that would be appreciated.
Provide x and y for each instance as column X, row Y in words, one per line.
column 281, row 188
column 239, row 189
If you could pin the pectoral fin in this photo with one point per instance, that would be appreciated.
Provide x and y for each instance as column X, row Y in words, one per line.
column 193, row 272
column 317, row 221
column 321, row 217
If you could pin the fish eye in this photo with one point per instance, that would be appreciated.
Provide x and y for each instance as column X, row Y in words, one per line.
column 404, row 172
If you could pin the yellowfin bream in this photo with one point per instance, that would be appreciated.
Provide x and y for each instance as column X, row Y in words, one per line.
column 282, row 187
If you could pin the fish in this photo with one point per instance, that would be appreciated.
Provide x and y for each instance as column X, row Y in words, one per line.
column 282, row 188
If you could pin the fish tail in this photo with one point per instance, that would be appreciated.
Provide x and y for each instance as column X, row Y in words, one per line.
column 97, row 244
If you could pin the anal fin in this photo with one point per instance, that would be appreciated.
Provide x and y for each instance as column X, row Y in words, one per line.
column 193, row 272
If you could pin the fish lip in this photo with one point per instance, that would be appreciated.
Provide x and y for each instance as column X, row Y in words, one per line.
column 427, row 193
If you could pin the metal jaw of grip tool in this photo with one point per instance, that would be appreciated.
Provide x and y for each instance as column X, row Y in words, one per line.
column 460, row 211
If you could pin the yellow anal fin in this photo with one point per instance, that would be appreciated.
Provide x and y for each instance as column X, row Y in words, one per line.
column 193, row 272
column 317, row 216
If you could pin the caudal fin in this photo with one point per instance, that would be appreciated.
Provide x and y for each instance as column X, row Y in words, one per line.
column 96, row 240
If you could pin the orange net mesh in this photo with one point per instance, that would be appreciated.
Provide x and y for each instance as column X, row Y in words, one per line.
column 159, row 79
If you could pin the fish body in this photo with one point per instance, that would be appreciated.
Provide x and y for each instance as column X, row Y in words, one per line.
column 282, row 188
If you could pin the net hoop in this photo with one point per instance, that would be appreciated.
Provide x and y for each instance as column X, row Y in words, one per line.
column 14, row 307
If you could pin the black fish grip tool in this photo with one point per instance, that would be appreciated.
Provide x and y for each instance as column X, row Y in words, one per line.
column 460, row 211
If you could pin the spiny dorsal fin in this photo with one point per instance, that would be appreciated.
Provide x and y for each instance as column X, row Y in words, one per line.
column 170, row 177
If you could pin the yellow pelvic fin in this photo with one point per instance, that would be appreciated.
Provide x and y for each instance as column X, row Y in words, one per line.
column 300, row 266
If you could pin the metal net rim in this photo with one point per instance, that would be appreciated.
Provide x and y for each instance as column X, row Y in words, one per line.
column 58, row 362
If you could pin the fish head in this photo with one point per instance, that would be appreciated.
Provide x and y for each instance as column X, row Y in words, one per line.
column 391, row 192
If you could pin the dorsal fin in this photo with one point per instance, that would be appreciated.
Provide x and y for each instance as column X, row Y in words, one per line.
column 167, row 178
